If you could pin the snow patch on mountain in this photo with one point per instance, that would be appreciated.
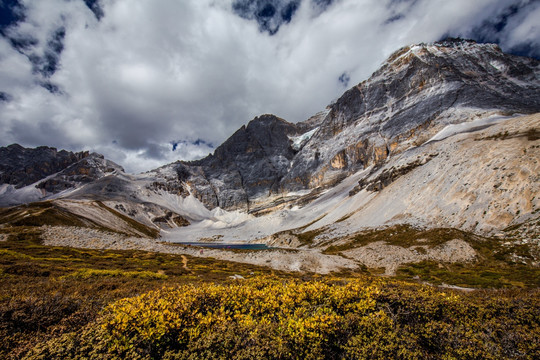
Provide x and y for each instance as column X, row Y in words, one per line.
column 9, row 195
column 300, row 140
column 477, row 124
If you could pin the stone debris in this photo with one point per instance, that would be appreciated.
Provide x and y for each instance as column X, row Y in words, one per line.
column 390, row 257
column 279, row 259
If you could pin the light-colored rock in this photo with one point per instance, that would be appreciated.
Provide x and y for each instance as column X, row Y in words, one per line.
column 381, row 255
column 279, row 259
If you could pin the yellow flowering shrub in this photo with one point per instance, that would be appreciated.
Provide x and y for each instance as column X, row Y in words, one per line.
column 271, row 318
column 299, row 313
column 96, row 273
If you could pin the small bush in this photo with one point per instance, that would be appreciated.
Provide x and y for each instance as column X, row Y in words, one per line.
column 92, row 273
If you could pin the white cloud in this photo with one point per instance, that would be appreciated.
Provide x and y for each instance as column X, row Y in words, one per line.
column 524, row 29
column 152, row 72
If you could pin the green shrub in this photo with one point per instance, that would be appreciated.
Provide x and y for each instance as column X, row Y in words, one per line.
column 92, row 273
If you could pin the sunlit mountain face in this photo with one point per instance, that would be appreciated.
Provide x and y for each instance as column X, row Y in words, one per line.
column 157, row 82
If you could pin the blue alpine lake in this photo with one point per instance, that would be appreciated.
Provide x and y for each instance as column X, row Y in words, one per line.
column 226, row 245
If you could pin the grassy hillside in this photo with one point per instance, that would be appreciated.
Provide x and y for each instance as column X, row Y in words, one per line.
column 499, row 262
column 65, row 303
column 48, row 291
column 52, row 214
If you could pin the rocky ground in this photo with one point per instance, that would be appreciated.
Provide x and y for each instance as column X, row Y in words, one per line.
column 390, row 257
column 374, row 255
column 279, row 259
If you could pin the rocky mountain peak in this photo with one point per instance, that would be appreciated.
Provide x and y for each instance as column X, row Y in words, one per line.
column 415, row 93
column 457, row 42
column 457, row 57
column 248, row 164
column 266, row 119
column 20, row 166
column 448, row 74
column 49, row 170
column 263, row 135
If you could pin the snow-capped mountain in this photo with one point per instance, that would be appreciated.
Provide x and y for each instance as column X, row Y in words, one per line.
column 416, row 93
column 435, row 137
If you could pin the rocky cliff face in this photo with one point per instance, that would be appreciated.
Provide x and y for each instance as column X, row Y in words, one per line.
column 88, row 169
column 20, row 166
column 249, row 165
column 416, row 92
column 49, row 171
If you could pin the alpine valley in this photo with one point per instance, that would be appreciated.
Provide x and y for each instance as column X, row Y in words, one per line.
column 432, row 163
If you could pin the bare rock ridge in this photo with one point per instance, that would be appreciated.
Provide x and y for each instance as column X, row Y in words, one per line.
column 392, row 125
column 251, row 163
column 20, row 166
column 47, row 171
column 87, row 170
column 417, row 91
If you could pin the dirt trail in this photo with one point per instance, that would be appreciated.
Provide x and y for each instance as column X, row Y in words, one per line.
column 184, row 263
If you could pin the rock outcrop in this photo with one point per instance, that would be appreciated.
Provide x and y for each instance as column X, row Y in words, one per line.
column 88, row 169
column 48, row 170
column 249, row 165
column 21, row 166
column 418, row 91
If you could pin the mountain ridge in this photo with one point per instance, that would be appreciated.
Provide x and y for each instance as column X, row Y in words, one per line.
column 422, row 93
column 412, row 96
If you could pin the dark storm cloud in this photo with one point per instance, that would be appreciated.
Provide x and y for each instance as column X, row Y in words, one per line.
column 508, row 20
column 155, row 151
column 45, row 133
column 11, row 12
column 96, row 8
column 135, row 80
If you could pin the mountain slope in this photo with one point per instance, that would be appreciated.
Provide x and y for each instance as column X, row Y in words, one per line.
column 417, row 92
column 433, row 138
column 250, row 164
column 20, row 166
column 34, row 174
column 481, row 181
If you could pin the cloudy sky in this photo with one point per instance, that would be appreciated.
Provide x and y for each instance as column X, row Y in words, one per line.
column 148, row 82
